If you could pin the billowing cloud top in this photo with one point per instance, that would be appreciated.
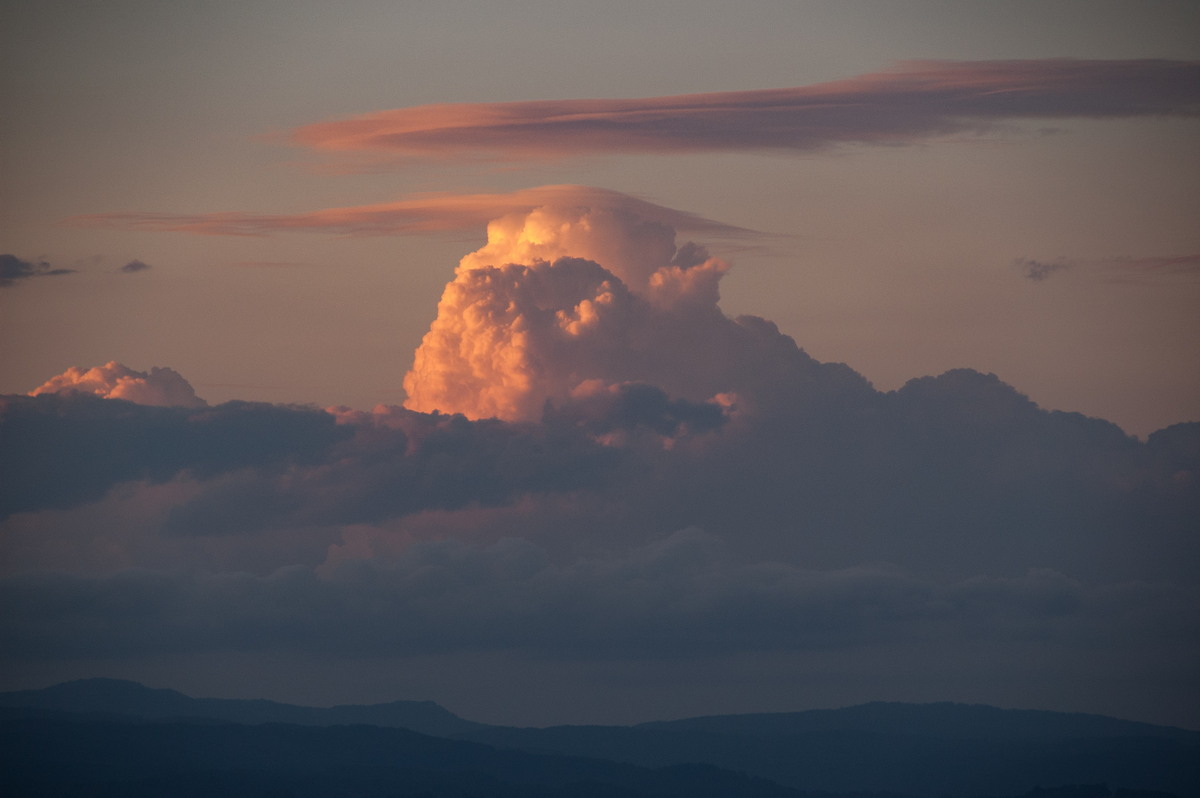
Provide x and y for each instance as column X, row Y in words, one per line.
column 571, row 300
column 915, row 100
column 159, row 387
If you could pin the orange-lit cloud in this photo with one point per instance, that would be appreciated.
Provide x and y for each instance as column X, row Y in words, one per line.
column 162, row 387
column 559, row 296
column 425, row 213
column 914, row 101
column 569, row 295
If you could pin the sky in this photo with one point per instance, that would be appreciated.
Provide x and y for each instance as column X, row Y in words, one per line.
column 567, row 362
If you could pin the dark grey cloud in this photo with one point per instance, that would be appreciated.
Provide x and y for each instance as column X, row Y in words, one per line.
column 632, row 407
column 432, row 463
column 1123, row 269
column 135, row 266
column 61, row 450
column 1038, row 270
column 952, row 525
column 954, row 475
column 14, row 269
column 681, row 596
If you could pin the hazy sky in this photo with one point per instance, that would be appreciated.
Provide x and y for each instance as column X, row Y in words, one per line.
column 677, row 511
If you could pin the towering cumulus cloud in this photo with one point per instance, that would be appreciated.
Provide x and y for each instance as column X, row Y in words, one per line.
column 570, row 300
column 161, row 387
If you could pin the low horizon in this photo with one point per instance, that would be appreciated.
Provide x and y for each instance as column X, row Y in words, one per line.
column 467, row 717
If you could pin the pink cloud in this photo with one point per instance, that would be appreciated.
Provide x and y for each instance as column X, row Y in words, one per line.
column 161, row 387
column 570, row 296
column 915, row 100
column 425, row 213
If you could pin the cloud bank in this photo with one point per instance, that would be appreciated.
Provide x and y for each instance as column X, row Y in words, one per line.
column 596, row 465
column 912, row 102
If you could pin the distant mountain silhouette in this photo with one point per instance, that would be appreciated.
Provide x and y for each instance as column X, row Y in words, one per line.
column 120, row 697
column 104, row 737
column 106, row 758
column 943, row 719
column 917, row 749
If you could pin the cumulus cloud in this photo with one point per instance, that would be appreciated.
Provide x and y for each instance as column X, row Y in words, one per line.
column 161, row 387
column 914, row 101
column 14, row 269
column 423, row 213
column 569, row 294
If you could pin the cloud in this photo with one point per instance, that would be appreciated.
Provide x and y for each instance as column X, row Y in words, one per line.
column 1179, row 266
column 1122, row 269
column 425, row 213
column 161, row 387
column 914, row 101
column 676, row 597
column 13, row 269
column 596, row 464
column 1037, row 270
column 569, row 295
column 135, row 266
column 65, row 448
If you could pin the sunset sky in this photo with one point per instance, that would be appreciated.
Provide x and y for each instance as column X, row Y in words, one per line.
column 654, row 506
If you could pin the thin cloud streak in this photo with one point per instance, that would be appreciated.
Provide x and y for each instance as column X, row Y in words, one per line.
column 1123, row 269
column 424, row 213
column 915, row 100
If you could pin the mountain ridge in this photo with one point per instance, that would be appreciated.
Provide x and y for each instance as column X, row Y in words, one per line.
column 923, row 750
column 125, row 697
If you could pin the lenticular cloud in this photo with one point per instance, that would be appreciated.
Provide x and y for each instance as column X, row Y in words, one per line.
column 912, row 102
column 567, row 300
column 160, row 387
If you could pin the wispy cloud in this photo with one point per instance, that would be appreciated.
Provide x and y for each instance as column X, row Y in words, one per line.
column 1180, row 264
column 14, row 269
column 424, row 213
column 914, row 101
column 1122, row 269
column 1038, row 270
